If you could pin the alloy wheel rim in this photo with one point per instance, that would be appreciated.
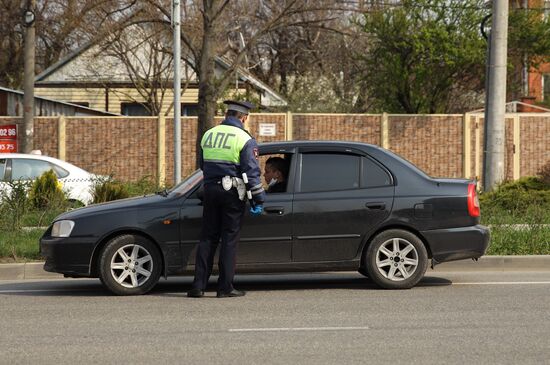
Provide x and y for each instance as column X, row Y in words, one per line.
column 397, row 259
column 131, row 266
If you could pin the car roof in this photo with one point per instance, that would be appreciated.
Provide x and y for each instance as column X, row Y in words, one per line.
column 64, row 164
column 320, row 143
column 385, row 156
column 28, row 155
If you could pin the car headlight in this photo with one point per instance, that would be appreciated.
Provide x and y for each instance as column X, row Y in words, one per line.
column 62, row 228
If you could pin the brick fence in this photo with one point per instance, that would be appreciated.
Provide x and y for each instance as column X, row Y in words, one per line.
column 442, row 145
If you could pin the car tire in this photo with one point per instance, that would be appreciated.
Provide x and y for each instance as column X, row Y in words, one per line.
column 130, row 265
column 396, row 259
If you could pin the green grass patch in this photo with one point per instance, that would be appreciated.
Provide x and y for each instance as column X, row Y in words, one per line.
column 20, row 246
column 518, row 233
column 523, row 240
column 144, row 186
column 37, row 218
column 519, row 216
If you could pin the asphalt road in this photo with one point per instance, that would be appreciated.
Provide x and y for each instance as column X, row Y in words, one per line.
column 342, row 318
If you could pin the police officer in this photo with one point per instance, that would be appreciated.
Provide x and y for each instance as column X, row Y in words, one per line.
column 227, row 151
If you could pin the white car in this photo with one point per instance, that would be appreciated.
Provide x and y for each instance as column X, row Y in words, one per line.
column 76, row 182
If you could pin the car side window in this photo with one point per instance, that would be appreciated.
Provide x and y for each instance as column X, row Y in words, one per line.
column 275, row 168
column 3, row 163
column 59, row 171
column 329, row 171
column 27, row 169
column 373, row 174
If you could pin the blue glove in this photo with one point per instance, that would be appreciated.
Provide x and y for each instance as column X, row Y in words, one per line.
column 256, row 210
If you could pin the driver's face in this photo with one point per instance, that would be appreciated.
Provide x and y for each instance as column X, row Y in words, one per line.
column 269, row 173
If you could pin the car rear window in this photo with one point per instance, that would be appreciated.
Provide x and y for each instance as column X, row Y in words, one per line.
column 329, row 171
column 59, row 171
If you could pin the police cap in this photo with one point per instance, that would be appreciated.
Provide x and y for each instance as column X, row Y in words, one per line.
column 239, row 106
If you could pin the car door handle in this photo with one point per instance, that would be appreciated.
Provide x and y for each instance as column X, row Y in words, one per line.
column 275, row 210
column 378, row 205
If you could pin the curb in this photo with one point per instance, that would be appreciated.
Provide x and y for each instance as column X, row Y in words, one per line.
column 499, row 263
column 35, row 270
column 27, row 270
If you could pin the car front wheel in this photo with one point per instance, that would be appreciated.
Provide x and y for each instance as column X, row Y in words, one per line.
column 130, row 265
column 396, row 259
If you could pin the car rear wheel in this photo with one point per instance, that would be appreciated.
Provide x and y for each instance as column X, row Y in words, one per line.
column 396, row 259
column 130, row 265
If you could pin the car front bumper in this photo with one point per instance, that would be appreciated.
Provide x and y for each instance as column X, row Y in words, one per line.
column 67, row 255
column 452, row 244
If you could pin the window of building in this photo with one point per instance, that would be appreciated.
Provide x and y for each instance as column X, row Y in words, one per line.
column 546, row 87
column 2, row 168
column 189, row 110
column 134, row 110
column 327, row 172
column 81, row 103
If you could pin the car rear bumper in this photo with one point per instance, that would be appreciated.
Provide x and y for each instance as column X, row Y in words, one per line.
column 67, row 256
column 457, row 243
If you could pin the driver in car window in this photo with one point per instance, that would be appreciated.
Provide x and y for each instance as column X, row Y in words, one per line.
column 275, row 174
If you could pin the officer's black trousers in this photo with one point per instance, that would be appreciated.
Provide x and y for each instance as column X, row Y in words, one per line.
column 221, row 220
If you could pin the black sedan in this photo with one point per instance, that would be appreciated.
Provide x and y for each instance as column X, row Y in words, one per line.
column 347, row 206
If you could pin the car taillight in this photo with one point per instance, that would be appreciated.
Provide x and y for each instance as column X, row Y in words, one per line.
column 473, row 201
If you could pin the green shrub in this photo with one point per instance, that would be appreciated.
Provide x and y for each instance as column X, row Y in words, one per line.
column 518, row 196
column 109, row 190
column 544, row 173
column 145, row 185
column 46, row 192
column 14, row 205
column 19, row 246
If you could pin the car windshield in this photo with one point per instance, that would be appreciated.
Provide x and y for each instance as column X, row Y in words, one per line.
column 187, row 184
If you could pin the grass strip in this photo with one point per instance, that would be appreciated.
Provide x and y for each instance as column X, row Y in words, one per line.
column 20, row 246
column 530, row 240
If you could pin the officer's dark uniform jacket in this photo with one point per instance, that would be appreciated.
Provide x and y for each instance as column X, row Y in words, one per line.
column 229, row 150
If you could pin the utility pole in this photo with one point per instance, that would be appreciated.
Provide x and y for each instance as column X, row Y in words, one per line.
column 525, row 65
column 28, row 78
column 176, row 23
column 494, row 152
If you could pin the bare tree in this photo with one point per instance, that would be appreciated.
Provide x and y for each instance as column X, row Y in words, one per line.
column 11, row 43
column 61, row 26
column 313, row 66
column 142, row 52
column 296, row 34
column 212, row 28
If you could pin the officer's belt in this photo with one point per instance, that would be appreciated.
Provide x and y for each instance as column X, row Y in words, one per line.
column 234, row 182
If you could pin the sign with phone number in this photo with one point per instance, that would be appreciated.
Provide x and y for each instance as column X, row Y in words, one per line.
column 8, row 138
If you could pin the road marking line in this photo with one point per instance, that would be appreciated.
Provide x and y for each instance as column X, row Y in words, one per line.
column 292, row 329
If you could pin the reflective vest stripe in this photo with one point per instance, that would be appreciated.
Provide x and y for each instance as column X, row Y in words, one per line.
column 223, row 143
